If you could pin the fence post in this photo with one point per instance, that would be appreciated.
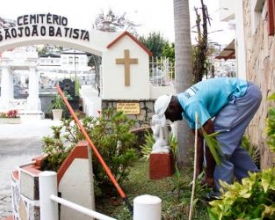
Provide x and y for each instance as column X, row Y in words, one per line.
column 147, row 207
column 48, row 187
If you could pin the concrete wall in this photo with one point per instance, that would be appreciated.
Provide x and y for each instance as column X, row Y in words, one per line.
column 260, row 65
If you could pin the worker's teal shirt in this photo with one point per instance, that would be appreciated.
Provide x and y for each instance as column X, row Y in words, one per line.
column 208, row 97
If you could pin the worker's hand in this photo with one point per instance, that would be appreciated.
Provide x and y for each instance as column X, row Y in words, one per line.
column 208, row 181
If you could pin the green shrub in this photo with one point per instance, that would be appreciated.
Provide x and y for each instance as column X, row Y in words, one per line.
column 56, row 149
column 109, row 133
column 146, row 148
column 253, row 198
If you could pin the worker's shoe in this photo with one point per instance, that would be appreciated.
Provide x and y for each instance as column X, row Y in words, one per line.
column 212, row 196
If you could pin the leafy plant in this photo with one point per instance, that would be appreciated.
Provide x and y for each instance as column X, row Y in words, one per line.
column 58, row 102
column 270, row 125
column 111, row 136
column 213, row 145
column 56, row 149
column 253, row 198
column 253, row 150
column 146, row 148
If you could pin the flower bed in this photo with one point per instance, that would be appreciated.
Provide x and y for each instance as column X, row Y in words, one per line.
column 10, row 117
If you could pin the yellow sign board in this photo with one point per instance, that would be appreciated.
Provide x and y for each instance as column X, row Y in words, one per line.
column 129, row 108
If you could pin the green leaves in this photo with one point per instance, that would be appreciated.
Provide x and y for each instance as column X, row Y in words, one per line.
column 268, row 179
column 270, row 125
column 111, row 134
column 213, row 145
column 146, row 148
column 251, row 199
column 271, row 97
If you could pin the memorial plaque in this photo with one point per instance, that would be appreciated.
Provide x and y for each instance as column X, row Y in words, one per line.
column 129, row 108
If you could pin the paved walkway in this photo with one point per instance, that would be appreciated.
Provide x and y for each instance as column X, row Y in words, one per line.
column 19, row 143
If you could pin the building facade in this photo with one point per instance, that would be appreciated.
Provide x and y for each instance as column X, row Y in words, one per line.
column 255, row 52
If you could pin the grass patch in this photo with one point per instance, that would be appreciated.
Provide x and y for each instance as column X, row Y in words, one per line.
column 175, row 193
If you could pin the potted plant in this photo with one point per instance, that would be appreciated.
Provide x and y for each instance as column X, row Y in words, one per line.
column 58, row 106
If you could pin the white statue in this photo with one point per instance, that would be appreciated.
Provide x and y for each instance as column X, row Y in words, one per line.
column 159, row 132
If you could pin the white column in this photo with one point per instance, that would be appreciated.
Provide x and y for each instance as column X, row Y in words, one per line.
column 240, row 40
column 147, row 207
column 6, row 88
column 33, row 99
column 48, row 187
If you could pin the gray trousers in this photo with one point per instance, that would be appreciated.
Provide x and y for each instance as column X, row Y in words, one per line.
column 233, row 120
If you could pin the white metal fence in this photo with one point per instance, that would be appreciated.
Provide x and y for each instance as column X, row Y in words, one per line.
column 49, row 199
column 146, row 207
column 161, row 71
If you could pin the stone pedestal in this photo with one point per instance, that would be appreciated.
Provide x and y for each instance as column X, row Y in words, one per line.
column 161, row 165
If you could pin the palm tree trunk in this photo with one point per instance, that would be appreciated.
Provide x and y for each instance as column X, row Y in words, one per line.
column 184, row 76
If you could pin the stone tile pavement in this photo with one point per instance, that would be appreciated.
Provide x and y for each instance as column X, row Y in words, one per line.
column 5, row 206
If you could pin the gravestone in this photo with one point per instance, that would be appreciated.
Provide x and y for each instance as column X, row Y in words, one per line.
column 68, row 87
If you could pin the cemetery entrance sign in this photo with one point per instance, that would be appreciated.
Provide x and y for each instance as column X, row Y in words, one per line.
column 41, row 25
column 124, row 72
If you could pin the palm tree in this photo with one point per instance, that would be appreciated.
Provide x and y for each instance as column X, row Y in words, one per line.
column 183, row 69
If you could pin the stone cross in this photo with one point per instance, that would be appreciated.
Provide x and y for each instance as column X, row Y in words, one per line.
column 126, row 61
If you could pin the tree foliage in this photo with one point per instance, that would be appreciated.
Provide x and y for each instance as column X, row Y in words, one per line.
column 169, row 51
column 155, row 43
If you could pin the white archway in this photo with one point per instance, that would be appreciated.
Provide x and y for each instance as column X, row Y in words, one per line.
column 125, row 61
column 36, row 29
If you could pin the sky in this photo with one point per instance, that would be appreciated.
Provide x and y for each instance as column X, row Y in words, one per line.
column 152, row 15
